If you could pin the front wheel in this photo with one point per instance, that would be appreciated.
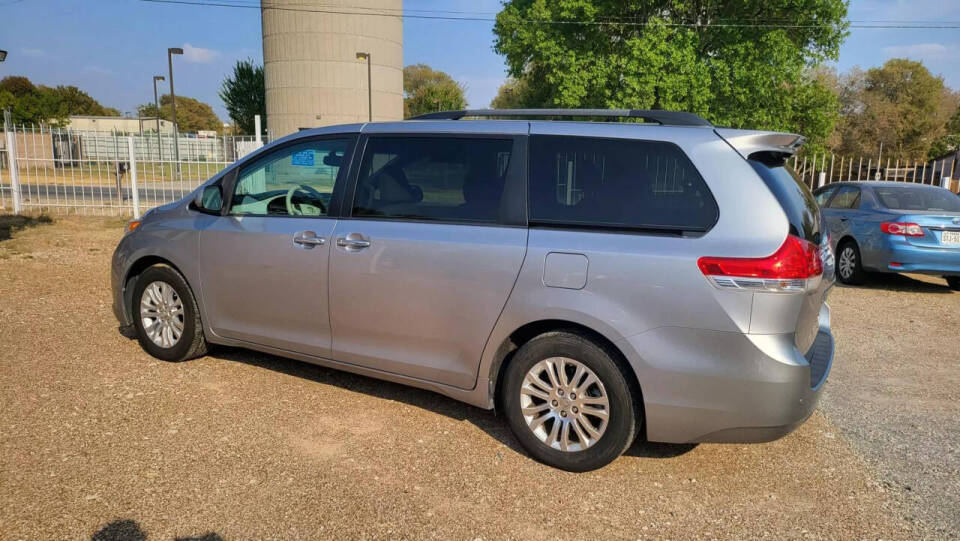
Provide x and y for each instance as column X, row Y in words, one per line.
column 166, row 317
column 953, row 282
column 568, row 402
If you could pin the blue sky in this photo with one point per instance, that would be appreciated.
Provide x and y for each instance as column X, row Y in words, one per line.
column 112, row 48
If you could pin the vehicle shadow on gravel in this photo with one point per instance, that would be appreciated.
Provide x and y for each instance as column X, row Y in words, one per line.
column 900, row 282
column 11, row 223
column 129, row 530
column 488, row 421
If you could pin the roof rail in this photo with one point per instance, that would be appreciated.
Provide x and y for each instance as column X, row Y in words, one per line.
column 665, row 118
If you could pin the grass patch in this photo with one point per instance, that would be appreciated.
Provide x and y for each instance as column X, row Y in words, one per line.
column 11, row 223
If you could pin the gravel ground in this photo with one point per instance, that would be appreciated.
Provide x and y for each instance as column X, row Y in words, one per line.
column 894, row 392
column 97, row 438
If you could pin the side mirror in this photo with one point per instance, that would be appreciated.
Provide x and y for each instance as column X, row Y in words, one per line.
column 209, row 199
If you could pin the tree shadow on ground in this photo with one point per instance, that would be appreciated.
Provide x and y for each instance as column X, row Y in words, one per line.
column 11, row 223
column 492, row 423
column 902, row 282
column 129, row 530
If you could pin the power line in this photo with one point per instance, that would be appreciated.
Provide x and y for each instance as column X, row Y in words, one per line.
column 446, row 15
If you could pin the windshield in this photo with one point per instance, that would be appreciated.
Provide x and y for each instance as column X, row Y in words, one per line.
column 918, row 198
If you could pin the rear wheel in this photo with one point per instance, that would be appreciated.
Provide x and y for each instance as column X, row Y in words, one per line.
column 953, row 282
column 568, row 402
column 166, row 317
column 849, row 266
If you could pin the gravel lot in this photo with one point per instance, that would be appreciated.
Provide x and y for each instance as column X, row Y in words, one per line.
column 240, row 445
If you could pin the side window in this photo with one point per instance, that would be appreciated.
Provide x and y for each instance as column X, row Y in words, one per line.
column 432, row 178
column 617, row 183
column 847, row 197
column 297, row 180
column 824, row 196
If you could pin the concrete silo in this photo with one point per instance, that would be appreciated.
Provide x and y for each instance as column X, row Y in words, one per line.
column 312, row 74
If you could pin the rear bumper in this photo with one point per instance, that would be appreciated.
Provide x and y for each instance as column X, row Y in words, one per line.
column 899, row 255
column 709, row 386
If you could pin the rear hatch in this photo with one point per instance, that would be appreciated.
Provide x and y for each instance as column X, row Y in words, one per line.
column 767, row 153
column 805, row 219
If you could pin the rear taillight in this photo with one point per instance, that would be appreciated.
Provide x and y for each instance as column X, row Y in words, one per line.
column 787, row 270
column 902, row 228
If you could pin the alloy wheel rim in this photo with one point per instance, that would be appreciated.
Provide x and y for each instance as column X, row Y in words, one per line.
column 564, row 404
column 847, row 262
column 161, row 313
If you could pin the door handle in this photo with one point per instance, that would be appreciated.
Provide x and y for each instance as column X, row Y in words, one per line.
column 308, row 239
column 353, row 241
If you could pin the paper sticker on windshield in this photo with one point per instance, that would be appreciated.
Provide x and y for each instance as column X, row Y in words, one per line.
column 303, row 158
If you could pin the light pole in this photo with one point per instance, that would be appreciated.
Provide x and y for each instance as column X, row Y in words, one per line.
column 366, row 56
column 156, row 103
column 173, row 106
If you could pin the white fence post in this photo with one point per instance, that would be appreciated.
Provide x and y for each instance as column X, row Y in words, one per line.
column 256, row 128
column 14, row 173
column 134, row 193
column 944, row 182
column 823, row 179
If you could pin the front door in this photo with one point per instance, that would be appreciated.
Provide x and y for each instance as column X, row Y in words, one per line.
column 263, row 265
column 421, row 271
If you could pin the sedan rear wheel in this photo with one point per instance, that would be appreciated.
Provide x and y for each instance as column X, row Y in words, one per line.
column 849, row 268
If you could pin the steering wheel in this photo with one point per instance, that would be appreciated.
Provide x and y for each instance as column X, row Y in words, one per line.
column 316, row 199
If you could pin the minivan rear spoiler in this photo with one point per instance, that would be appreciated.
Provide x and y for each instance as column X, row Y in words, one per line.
column 748, row 142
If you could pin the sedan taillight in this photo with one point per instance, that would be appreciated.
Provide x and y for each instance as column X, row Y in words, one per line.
column 902, row 228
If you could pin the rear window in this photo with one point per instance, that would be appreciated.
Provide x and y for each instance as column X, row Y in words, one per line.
column 794, row 196
column 918, row 198
column 619, row 183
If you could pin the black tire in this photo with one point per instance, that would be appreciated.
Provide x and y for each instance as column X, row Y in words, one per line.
column 625, row 413
column 191, row 342
column 953, row 282
column 850, row 276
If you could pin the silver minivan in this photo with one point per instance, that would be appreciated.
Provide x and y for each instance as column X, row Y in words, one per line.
column 595, row 281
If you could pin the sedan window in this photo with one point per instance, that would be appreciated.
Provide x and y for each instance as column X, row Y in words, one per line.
column 824, row 195
column 921, row 198
column 847, row 197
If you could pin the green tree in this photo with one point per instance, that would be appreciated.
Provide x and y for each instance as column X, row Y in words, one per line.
column 740, row 64
column 900, row 104
column 32, row 104
column 244, row 95
column 426, row 89
column 192, row 115
column 70, row 100
column 950, row 142
column 512, row 94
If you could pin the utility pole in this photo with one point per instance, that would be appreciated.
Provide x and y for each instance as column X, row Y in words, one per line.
column 366, row 56
column 173, row 106
column 156, row 103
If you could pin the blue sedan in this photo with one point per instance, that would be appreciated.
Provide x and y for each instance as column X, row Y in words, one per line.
column 892, row 227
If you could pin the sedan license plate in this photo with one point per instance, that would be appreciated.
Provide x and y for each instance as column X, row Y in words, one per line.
column 950, row 237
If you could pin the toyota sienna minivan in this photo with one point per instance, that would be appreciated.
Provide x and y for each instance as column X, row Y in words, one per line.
column 594, row 281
